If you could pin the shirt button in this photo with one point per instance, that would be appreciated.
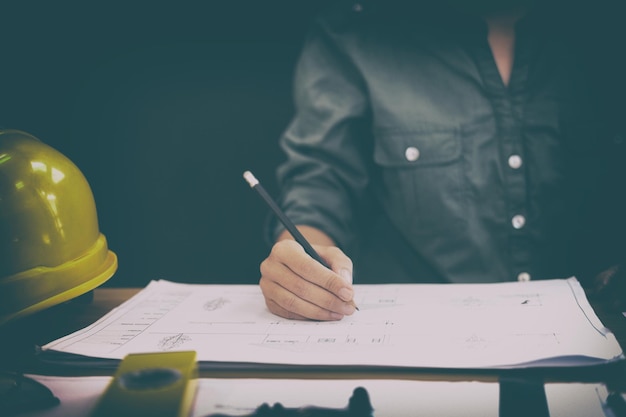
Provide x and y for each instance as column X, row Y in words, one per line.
column 523, row 277
column 515, row 161
column 518, row 221
column 412, row 153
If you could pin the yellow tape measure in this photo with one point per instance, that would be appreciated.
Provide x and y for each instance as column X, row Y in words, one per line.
column 151, row 384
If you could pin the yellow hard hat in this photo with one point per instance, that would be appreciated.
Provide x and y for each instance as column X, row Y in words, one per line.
column 51, row 249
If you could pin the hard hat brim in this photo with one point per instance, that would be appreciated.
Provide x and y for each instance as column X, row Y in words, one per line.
column 43, row 287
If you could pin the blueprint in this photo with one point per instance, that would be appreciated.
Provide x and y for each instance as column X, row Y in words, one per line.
column 502, row 325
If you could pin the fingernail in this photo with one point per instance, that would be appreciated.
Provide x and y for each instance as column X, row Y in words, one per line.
column 346, row 294
column 347, row 309
column 336, row 316
column 346, row 275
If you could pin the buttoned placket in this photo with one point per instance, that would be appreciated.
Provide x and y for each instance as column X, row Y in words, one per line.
column 508, row 107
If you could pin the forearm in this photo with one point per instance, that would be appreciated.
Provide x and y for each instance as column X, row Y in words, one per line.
column 325, row 175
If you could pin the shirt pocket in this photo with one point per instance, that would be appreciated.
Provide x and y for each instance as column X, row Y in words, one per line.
column 421, row 179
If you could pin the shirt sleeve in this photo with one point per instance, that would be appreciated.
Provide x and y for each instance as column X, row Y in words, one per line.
column 325, row 174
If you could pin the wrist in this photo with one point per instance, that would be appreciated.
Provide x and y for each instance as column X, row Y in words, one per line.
column 314, row 235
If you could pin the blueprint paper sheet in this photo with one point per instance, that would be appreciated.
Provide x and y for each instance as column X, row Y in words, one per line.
column 502, row 325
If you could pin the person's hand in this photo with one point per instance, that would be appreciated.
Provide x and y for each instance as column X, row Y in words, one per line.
column 296, row 286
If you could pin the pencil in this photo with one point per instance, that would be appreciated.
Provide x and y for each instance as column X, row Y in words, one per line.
column 291, row 228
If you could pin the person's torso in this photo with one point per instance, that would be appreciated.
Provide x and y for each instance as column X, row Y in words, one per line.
column 492, row 182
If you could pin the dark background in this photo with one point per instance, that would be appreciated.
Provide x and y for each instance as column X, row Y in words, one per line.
column 162, row 107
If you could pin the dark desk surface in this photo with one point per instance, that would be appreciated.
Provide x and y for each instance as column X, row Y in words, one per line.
column 41, row 328
column 38, row 329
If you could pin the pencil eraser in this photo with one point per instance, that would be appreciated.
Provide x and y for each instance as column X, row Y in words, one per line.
column 250, row 178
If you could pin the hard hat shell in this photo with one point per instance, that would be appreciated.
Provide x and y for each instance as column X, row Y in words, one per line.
column 51, row 249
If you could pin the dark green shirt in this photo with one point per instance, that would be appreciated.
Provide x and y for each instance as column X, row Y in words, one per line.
column 409, row 151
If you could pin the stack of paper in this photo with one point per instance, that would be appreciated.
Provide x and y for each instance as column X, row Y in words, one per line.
column 503, row 325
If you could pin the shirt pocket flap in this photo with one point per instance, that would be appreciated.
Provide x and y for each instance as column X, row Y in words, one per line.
column 417, row 148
